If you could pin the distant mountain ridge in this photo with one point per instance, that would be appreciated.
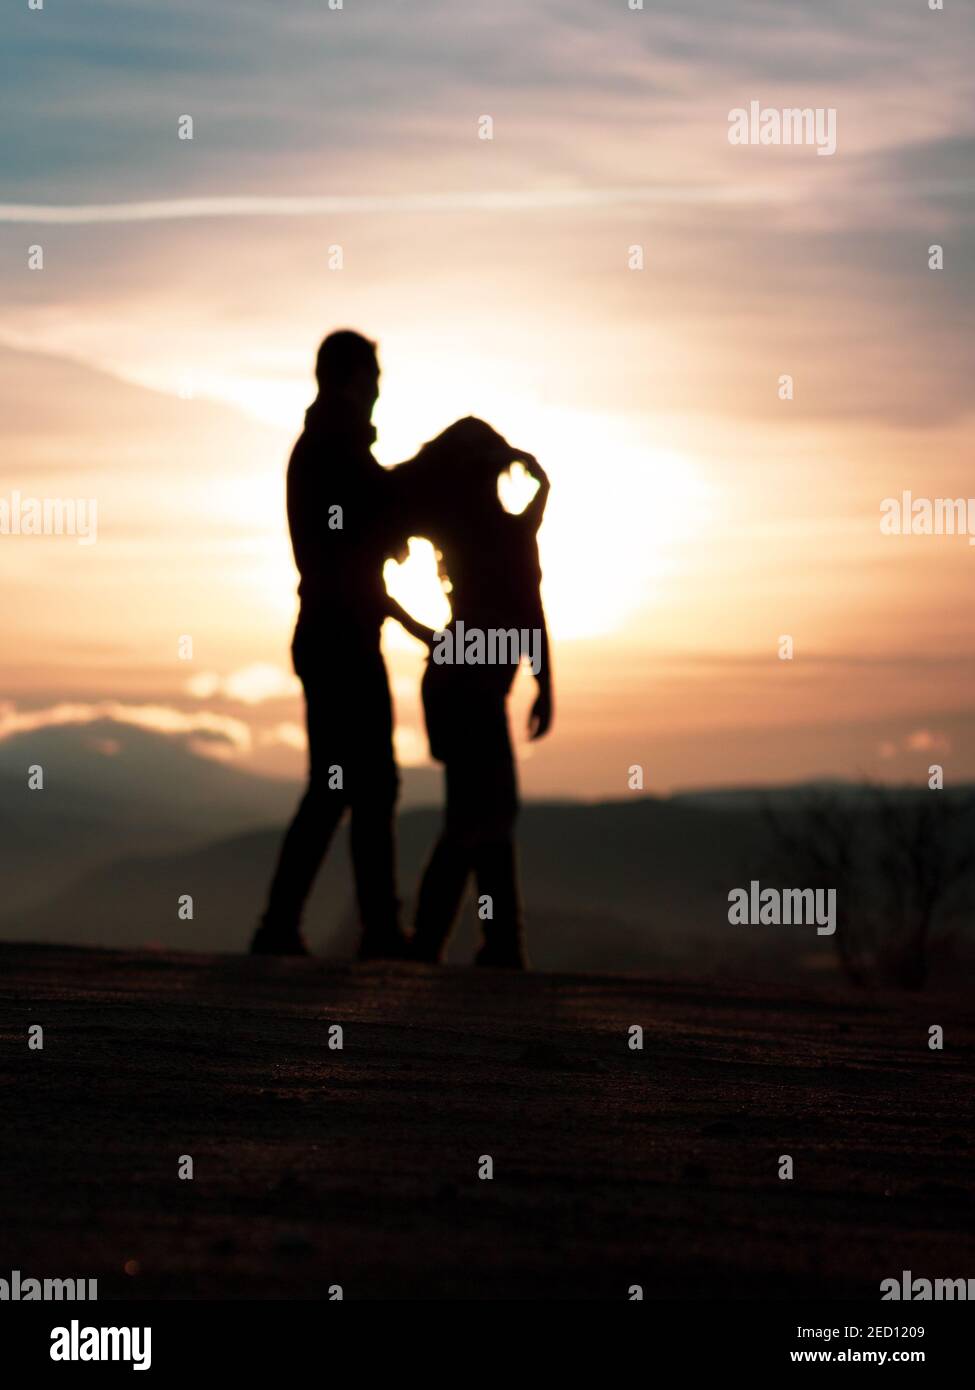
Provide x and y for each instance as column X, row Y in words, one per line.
column 103, row 854
column 113, row 788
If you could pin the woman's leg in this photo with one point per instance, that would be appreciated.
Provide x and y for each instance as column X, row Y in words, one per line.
column 468, row 727
column 495, row 860
column 442, row 891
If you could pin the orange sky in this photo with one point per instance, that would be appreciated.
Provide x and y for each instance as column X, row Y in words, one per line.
column 161, row 360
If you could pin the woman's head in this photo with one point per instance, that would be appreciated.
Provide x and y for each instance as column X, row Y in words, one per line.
column 452, row 483
column 466, row 459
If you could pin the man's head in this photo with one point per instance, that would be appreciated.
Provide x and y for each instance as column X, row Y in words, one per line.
column 348, row 367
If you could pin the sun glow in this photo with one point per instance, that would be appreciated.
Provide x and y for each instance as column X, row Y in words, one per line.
column 620, row 509
column 616, row 519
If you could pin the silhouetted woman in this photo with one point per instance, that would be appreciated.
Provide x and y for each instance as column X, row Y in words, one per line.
column 490, row 558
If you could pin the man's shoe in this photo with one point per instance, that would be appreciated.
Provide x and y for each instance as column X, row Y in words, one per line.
column 270, row 940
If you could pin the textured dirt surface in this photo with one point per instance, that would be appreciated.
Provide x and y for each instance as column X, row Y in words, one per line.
column 359, row 1167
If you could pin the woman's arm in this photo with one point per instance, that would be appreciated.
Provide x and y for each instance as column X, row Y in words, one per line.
column 543, row 710
column 535, row 510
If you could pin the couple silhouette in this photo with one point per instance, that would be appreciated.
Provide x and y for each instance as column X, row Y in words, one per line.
column 347, row 515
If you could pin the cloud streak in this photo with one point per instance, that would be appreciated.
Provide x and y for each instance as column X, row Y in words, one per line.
column 161, row 719
column 251, row 685
column 511, row 200
column 178, row 209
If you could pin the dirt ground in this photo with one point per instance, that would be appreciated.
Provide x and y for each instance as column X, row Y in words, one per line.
column 316, row 1166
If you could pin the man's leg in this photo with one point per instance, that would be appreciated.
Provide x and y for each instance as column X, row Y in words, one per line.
column 307, row 838
column 372, row 787
column 496, row 867
column 372, row 842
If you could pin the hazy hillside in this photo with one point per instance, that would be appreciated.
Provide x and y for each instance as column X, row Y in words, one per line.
column 113, row 789
column 626, row 885
column 130, row 821
column 110, row 789
column 112, row 772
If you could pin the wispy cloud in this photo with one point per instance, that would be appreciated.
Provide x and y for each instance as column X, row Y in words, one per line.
column 178, row 209
column 251, row 685
column 161, row 719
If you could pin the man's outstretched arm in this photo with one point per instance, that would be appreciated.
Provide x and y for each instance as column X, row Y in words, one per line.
column 416, row 629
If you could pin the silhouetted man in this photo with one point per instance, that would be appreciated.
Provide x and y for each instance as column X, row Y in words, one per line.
column 341, row 533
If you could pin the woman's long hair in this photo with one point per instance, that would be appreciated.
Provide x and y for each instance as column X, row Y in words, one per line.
column 452, row 483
